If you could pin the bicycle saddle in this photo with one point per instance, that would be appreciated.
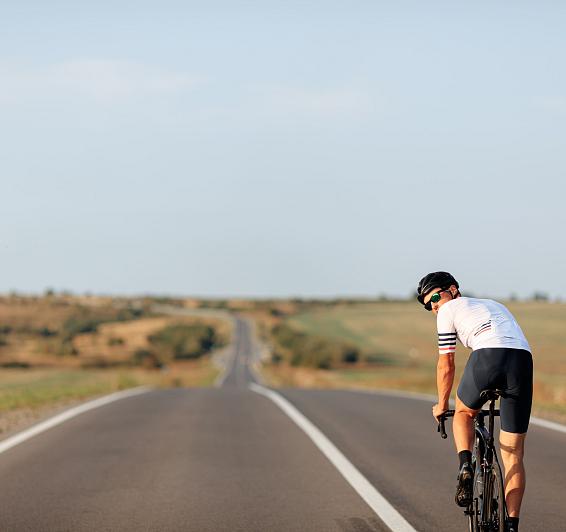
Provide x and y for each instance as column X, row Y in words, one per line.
column 488, row 395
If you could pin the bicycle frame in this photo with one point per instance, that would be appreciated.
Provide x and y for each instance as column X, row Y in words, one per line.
column 486, row 435
column 487, row 455
column 480, row 511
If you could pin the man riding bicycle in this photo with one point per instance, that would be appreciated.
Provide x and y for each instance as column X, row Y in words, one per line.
column 500, row 359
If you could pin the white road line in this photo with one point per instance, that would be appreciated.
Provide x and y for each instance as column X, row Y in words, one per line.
column 548, row 424
column 391, row 517
column 8, row 443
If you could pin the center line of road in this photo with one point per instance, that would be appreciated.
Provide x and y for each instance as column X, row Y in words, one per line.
column 391, row 517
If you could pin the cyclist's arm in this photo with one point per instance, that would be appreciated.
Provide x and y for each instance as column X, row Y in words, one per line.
column 445, row 370
column 446, row 350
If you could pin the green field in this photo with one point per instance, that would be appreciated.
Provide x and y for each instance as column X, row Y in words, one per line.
column 402, row 337
column 397, row 332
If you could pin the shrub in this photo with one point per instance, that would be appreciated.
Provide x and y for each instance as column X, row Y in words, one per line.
column 350, row 355
column 184, row 341
column 276, row 358
column 129, row 313
column 15, row 364
column 65, row 347
column 99, row 362
column 147, row 359
column 46, row 332
column 74, row 326
column 86, row 322
column 115, row 340
column 314, row 351
column 324, row 363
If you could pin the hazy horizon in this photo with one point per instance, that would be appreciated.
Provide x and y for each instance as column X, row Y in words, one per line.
column 49, row 291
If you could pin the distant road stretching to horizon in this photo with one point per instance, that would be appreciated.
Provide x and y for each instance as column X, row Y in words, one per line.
column 229, row 459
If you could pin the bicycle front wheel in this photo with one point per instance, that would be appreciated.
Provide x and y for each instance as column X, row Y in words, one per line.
column 495, row 502
column 473, row 510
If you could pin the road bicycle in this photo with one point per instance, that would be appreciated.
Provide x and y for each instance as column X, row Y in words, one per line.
column 487, row 511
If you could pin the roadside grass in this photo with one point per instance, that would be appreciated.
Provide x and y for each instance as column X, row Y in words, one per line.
column 33, row 388
column 28, row 394
column 401, row 338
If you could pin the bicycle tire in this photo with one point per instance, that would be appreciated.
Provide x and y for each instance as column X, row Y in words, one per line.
column 473, row 516
column 492, row 514
column 498, row 516
column 473, row 509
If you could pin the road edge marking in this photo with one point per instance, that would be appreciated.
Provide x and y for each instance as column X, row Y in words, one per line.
column 58, row 419
column 548, row 424
column 383, row 509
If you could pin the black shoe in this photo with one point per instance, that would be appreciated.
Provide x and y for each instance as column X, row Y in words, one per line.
column 465, row 488
column 509, row 527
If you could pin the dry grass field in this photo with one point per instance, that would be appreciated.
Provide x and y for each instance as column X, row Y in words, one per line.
column 46, row 362
column 71, row 333
column 399, row 337
column 116, row 343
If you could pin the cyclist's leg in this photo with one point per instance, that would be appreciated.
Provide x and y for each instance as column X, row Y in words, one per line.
column 463, row 426
column 515, row 414
column 512, row 450
column 468, row 403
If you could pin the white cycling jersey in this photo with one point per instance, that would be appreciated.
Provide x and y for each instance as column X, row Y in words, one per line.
column 478, row 324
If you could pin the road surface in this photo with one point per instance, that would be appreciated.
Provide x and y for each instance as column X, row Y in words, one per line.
column 229, row 459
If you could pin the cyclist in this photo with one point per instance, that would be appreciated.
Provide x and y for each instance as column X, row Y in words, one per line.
column 500, row 359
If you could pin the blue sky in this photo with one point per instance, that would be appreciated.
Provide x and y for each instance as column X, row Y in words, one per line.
column 282, row 148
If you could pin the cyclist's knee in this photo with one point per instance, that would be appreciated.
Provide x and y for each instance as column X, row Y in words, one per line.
column 512, row 445
column 464, row 410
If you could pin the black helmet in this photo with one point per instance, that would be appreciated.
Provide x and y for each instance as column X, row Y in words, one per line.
column 434, row 280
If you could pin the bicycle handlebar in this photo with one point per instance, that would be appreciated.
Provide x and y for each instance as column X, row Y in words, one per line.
column 450, row 413
column 441, row 419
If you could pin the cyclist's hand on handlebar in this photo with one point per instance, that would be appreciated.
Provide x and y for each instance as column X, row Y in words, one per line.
column 437, row 411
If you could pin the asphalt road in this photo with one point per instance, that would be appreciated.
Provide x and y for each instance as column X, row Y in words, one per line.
column 228, row 459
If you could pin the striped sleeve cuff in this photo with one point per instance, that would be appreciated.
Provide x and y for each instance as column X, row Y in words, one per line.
column 446, row 343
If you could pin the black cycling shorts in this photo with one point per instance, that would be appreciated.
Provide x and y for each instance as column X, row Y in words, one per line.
column 501, row 368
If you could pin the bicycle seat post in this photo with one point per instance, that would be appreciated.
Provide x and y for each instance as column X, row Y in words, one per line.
column 491, row 396
column 491, row 419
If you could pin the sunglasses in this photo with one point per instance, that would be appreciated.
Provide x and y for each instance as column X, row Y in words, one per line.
column 435, row 298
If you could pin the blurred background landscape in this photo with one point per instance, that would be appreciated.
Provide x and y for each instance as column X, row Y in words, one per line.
column 57, row 349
